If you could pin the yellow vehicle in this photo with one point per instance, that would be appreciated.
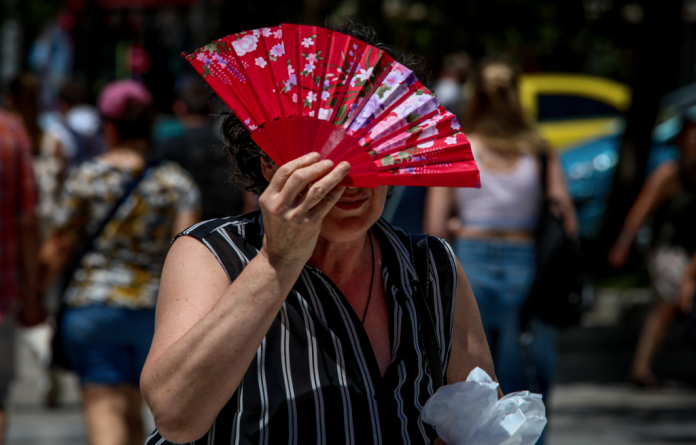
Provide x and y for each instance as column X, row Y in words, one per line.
column 572, row 109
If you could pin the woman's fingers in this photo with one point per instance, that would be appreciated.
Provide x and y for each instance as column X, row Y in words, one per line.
column 301, row 178
column 320, row 190
column 325, row 205
column 284, row 173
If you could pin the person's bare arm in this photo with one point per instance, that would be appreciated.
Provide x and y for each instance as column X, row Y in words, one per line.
column 32, row 311
column 557, row 192
column 469, row 345
column 54, row 256
column 438, row 204
column 659, row 185
column 208, row 330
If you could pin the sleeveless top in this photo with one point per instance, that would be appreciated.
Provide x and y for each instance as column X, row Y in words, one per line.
column 507, row 200
column 315, row 379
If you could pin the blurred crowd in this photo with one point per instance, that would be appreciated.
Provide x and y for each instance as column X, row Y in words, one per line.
column 89, row 207
column 93, row 191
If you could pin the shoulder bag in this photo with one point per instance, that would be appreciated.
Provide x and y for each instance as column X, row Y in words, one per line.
column 556, row 295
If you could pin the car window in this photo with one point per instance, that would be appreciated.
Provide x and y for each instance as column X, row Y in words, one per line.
column 562, row 107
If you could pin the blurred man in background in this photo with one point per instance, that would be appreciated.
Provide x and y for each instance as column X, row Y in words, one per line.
column 72, row 135
column 199, row 150
column 449, row 88
column 406, row 206
column 19, row 243
column 21, row 99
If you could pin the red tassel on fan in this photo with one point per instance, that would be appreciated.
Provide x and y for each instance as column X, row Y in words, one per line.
column 300, row 89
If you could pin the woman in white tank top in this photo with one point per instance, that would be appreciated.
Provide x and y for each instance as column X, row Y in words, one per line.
column 493, row 227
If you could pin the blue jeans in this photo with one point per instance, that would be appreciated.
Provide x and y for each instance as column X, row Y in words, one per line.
column 501, row 273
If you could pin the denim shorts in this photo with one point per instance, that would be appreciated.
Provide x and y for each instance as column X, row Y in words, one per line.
column 108, row 345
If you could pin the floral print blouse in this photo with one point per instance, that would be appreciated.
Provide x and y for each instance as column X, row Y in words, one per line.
column 124, row 264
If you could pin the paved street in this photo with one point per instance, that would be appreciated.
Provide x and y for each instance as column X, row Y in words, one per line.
column 30, row 422
column 617, row 414
column 592, row 405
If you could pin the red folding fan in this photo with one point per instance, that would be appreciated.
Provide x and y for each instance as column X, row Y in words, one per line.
column 300, row 89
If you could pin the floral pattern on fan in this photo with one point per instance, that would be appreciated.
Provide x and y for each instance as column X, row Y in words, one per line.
column 304, row 88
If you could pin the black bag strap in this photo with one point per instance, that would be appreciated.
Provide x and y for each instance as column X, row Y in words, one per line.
column 420, row 258
column 86, row 246
column 544, row 171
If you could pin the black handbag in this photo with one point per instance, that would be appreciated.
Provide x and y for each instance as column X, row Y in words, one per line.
column 556, row 294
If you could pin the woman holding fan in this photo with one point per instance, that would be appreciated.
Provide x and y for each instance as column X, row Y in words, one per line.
column 306, row 322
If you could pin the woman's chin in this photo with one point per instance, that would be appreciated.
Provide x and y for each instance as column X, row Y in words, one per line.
column 342, row 225
column 353, row 215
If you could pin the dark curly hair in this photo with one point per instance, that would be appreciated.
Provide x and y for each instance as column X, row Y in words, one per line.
column 246, row 155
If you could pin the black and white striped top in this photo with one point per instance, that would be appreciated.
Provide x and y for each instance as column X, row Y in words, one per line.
column 315, row 379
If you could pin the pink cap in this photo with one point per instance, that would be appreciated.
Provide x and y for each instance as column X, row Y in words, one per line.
column 115, row 98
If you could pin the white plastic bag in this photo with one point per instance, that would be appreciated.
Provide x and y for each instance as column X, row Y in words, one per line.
column 469, row 413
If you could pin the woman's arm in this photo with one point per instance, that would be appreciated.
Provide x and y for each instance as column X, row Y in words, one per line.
column 557, row 192
column 54, row 255
column 438, row 205
column 32, row 311
column 208, row 330
column 659, row 185
column 469, row 345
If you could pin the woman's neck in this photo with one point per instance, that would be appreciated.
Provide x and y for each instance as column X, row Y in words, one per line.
column 341, row 260
column 130, row 156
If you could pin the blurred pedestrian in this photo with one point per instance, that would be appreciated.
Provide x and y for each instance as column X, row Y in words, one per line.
column 125, row 211
column 669, row 194
column 200, row 151
column 449, row 87
column 19, row 246
column 494, row 226
column 71, row 135
column 51, row 57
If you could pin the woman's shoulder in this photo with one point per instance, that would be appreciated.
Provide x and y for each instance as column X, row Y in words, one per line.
column 243, row 227
column 233, row 240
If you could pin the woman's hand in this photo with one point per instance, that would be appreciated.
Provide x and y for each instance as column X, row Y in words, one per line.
column 299, row 196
